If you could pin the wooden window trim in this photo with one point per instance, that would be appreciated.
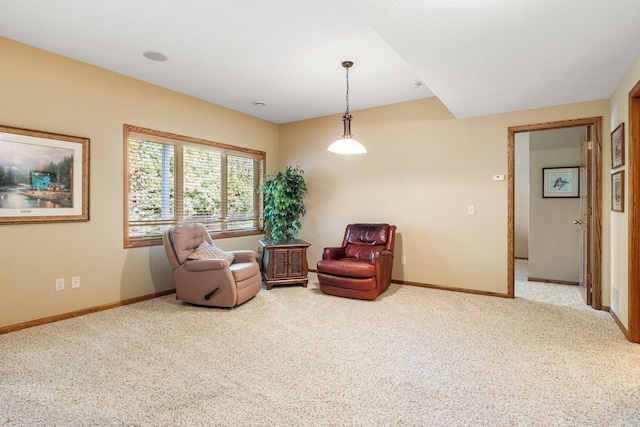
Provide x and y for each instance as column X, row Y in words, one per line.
column 182, row 140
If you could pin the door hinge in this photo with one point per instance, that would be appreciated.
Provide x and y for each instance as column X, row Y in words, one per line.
column 589, row 145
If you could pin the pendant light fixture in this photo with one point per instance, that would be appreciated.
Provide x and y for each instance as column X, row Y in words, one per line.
column 346, row 144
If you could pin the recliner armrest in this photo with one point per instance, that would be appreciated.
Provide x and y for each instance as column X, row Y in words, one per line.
column 205, row 264
column 333, row 253
column 244, row 256
column 379, row 255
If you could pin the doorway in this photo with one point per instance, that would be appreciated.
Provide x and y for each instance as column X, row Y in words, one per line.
column 590, row 218
column 633, row 334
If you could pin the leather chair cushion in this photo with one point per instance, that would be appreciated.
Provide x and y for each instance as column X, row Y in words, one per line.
column 185, row 238
column 350, row 287
column 361, row 251
column 347, row 267
column 369, row 234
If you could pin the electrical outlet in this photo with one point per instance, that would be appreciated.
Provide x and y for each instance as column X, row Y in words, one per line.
column 60, row 284
column 75, row 282
column 498, row 177
column 403, row 259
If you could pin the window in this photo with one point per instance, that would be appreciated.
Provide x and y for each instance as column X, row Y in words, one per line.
column 172, row 178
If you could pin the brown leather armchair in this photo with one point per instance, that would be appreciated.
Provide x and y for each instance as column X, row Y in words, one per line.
column 361, row 267
column 210, row 281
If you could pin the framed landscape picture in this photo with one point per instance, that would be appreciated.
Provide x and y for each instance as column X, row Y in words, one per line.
column 44, row 177
column 617, row 192
column 561, row 182
column 617, row 147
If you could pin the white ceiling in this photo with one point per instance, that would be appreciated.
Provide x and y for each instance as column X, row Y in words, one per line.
column 478, row 56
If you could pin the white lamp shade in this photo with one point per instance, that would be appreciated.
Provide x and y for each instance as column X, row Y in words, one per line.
column 347, row 146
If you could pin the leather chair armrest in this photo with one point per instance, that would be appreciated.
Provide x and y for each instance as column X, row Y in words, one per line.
column 205, row 264
column 244, row 256
column 381, row 255
column 333, row 253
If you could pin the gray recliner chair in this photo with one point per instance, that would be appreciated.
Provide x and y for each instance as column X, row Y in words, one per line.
column 209, row 282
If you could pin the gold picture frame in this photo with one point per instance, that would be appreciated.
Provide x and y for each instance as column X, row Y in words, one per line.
column 44, row 177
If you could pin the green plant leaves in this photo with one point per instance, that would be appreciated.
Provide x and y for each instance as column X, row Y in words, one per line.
column 284, row 203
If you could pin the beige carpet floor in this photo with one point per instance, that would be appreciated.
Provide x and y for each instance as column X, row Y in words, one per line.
column 295, row 357
column 549, row 293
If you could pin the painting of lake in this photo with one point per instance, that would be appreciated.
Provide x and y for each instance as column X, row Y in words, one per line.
column 35, row 176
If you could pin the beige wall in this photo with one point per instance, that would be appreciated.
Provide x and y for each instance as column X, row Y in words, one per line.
column 51, row 93
column 423, row 169
column 619, row 226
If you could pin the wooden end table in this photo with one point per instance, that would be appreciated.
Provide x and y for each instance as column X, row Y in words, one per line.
column 284, row 263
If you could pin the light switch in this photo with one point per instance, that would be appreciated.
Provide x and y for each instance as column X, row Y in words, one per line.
column 498, row 177
column 471, row 209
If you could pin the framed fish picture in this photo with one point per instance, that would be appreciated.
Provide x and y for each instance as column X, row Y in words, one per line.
column 561, row 182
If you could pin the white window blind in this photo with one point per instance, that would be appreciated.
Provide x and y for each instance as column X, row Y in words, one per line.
column 172, row 178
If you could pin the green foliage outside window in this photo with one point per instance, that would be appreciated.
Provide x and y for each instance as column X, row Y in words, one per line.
column 211, row 186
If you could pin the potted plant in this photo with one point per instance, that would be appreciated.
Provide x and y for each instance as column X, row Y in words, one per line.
column 284, row 203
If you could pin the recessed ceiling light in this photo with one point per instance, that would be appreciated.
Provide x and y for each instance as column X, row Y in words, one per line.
column 259, row 103
column 155, row 56
column 415, row 85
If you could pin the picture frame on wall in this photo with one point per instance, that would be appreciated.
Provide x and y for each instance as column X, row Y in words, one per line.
column 44, row 177
column 617, row 192
column 562, row 182
column 617, row 147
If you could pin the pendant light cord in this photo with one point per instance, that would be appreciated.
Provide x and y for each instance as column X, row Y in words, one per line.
column 347, row 90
